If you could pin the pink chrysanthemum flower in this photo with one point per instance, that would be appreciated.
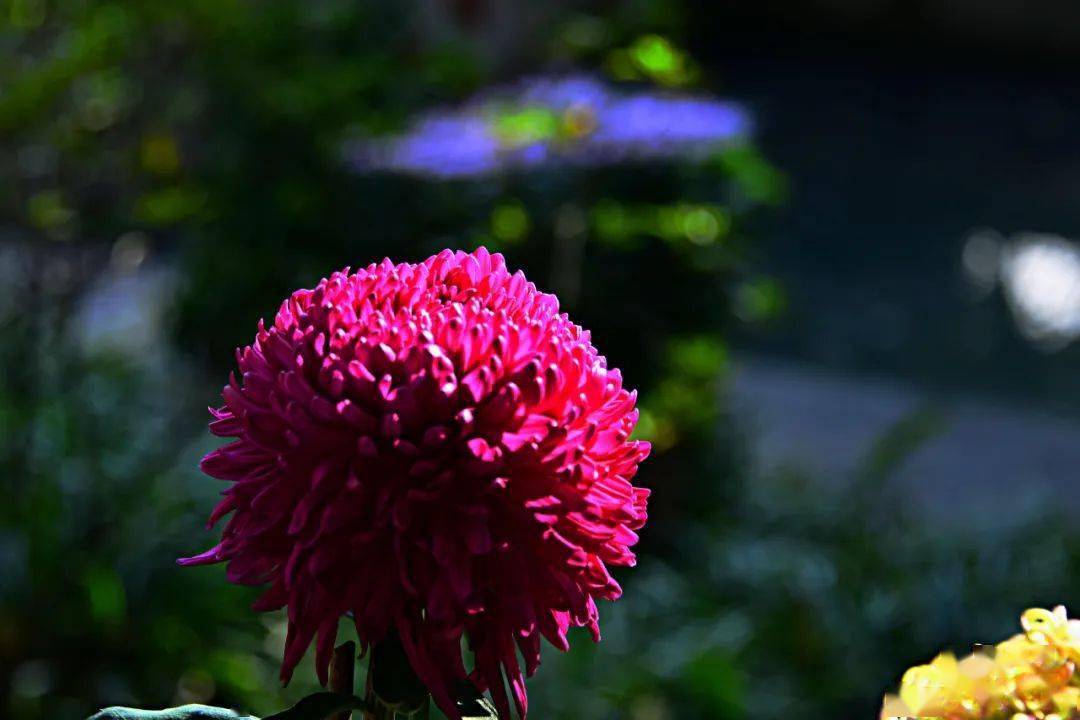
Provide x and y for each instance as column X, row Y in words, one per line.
column 437, row 450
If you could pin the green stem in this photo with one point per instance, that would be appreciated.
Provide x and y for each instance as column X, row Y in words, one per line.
column 393, row 686
column 342, row 670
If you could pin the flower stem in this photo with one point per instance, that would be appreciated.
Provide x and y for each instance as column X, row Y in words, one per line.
column 392, row 684
column 377, row 709
column 342, row 670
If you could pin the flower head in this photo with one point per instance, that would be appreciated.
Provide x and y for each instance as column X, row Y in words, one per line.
column 437, row 450
column 1030, row 676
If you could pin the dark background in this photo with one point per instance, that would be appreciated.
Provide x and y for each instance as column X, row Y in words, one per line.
column 864, row 451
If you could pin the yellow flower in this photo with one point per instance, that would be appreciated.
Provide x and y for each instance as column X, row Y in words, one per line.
column 1053, row 627
column 1067, row 701
column 1046, row 627
column 1030, row 676
column 945, row 688
column 1018, row 654
column 926, row 685
column 893, row 707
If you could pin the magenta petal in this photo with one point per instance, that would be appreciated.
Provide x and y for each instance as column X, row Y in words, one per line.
column 211, row 556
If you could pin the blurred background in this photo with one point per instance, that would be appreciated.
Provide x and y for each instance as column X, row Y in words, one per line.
column 833, row 242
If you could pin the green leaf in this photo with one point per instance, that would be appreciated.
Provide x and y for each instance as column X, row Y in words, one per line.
column 319, row 706
column 184, row 712
column 314, row 707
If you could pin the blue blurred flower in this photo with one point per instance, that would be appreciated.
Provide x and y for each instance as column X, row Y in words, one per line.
column 441, row 145
column 650, row 125
column 576, row 119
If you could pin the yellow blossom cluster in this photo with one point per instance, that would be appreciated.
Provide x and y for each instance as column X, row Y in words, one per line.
column 1030, row 676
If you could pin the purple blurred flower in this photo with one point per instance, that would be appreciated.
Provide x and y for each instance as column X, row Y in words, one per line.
column 650, row 125
column 576, row 119
column 441, row 145
column 562, row 93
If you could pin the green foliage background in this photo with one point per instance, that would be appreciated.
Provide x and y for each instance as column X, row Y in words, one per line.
column 207, row 134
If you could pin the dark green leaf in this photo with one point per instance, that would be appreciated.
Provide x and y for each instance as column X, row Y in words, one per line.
column 319, row 706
